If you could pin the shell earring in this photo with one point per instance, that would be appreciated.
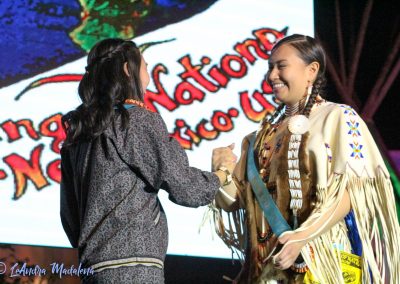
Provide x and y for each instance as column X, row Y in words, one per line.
column 309, row 89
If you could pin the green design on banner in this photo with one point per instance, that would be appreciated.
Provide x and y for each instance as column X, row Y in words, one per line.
column 116, row 18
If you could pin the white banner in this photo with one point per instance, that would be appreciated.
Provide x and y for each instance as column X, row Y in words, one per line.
column 208, row 83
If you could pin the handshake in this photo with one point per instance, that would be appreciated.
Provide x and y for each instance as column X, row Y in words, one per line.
column 223, row 163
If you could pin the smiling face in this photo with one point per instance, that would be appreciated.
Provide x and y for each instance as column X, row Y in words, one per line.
column 289, row 76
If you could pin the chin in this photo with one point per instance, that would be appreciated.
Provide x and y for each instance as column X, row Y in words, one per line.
column 280, row 98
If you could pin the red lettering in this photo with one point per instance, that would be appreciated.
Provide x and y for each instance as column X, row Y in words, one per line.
column 182, row 128
column 223, row 121
column 227, row 68
column 220, row 121
column 193, row 93
column 266, row 88
column 23, row 170
column 160, row 97
column 204, row 132
column 52, row 127
column 243, row 50
column 54, row 170
column 3, row 174
column 13, row 132
column 263, row 34
column 193, row 71
column 249, row 110
column 185, row 143
column 218, row 76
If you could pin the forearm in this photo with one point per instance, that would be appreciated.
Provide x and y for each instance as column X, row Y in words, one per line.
column 324, row 222
column 315, row 225
column 191, row 187
column 227, row 198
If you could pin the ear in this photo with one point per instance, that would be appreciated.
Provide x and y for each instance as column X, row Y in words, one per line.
column 126, row 69
column 313, row 69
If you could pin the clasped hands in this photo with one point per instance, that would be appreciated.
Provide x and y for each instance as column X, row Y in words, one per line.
column 224, row 157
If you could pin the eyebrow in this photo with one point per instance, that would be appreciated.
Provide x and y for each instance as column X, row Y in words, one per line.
column 277, row 62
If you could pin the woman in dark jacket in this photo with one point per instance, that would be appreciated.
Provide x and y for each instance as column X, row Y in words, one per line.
column 116, row 157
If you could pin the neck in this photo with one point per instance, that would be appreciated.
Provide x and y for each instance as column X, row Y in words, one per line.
column 291, row 110
column 296, row 108
column 137, row 103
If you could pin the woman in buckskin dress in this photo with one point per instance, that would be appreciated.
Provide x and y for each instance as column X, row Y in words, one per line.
column 329, row 215
column 116, row 157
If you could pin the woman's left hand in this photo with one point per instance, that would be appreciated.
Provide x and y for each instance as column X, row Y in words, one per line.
column 292, row 245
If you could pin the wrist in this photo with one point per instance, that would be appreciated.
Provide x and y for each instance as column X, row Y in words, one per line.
column 227, row 176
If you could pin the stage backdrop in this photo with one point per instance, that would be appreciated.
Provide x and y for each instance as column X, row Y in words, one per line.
column 207, row 60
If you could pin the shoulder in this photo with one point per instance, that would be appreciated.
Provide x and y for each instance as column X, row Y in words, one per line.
column 335, row 113
column 141, row 123
column 146, row 119
column 338, row 121
column 342, row 109
column 142, row 113
column 334, row 108
column 352, row 144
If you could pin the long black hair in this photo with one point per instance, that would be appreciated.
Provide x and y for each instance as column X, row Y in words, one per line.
column 104, row 88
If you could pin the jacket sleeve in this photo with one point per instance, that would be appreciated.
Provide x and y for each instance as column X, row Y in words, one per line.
column 161, row 161
column 68, row 203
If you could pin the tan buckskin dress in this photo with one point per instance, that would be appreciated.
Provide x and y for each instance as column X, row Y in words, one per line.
column 340, row 155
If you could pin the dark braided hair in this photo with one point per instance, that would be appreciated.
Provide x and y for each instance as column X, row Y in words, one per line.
column 104, row 89
column 277, row 116
column 317, row 90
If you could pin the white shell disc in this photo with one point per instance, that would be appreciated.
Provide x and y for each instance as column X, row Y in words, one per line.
column 299, row 124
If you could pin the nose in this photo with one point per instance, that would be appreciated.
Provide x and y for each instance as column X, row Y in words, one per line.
column 272, row 74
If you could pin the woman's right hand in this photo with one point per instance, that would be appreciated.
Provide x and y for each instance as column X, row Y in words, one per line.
column 224, row 157
column 226, row 197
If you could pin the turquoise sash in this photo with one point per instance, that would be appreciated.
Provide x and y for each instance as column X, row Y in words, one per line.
column 271, row 212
